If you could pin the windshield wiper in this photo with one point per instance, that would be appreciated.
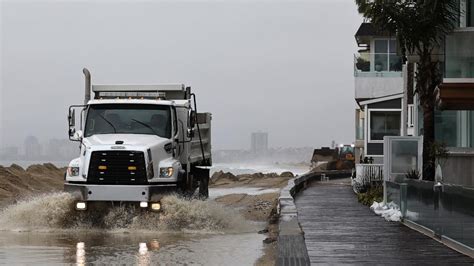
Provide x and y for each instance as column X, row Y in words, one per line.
column 146, row 125
column 110, row 123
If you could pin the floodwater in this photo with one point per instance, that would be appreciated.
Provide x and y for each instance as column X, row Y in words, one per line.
column 47, row 230
column 83, row 248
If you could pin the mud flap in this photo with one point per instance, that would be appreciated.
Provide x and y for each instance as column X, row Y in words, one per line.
column 202, row 174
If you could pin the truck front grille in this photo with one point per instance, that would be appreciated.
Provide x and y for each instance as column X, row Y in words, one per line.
column 117, row 168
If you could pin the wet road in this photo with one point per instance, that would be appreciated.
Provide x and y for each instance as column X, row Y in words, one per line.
column 56, row 245
column 83, row 248
column 233, row 246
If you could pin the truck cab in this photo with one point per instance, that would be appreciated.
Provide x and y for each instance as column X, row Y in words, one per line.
column 138, row 143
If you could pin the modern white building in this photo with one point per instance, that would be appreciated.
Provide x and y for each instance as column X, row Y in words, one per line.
column 388, row 104
column 379, row 91
column 454, row 118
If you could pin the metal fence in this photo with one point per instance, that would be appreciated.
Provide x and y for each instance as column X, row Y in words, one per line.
column 366, row 174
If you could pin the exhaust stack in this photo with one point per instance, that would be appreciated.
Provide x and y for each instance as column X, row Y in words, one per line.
column 87, row 76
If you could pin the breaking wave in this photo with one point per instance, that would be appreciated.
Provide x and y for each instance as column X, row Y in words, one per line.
column 56, row 211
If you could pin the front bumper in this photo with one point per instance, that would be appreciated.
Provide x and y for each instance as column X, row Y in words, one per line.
column 126, row 193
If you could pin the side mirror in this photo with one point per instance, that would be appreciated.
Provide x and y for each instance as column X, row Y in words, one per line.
column 192, row 118
column 72, row 131
column 72, row 117
column 77, row 135
column 191, row 133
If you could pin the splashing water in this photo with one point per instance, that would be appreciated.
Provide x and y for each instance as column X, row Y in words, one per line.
column 45, row 211
column 56, row 211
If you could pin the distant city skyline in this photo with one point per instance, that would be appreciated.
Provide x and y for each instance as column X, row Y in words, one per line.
column 34, row 149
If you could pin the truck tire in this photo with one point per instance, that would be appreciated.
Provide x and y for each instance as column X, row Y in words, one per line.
column 202, row 175
column 204, row 187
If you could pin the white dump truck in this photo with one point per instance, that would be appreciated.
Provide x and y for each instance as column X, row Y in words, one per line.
column 138, row 143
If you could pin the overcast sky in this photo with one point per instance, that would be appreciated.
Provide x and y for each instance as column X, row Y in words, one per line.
column 281, row 67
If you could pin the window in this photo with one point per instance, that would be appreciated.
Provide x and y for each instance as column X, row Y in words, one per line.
column 455, row 128
column 411, row 115
column 384, row 123
column 129, row 119
column 385, row 56
column 459, row 55
column 470, row 13
column 446, row 127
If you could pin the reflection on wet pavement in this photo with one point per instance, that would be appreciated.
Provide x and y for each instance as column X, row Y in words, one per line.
column 83, row 248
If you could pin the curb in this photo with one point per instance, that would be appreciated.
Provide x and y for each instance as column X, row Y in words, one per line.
column 291, row 244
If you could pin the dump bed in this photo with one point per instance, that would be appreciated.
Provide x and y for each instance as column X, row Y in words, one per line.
column 203, row 126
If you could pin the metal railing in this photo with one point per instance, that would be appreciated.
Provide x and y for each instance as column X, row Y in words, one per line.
column 366, row 174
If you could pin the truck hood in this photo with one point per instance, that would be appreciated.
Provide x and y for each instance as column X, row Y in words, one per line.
column 128, row 139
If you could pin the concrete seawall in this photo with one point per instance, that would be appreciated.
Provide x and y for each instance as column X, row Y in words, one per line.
column 291, row 242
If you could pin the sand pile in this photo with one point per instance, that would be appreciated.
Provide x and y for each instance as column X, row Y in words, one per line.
column 16, row 182
column 274, row 180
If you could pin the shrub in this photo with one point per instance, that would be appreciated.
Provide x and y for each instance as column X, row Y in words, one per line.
column 413, row 174
column 373, row 193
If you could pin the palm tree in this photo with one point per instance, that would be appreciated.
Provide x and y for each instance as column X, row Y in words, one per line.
column 420, row 27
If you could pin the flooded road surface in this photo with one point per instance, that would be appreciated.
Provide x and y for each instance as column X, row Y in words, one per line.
column 83, row 248
column 47, row 230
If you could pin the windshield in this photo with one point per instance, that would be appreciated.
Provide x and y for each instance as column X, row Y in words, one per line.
column 129, row 119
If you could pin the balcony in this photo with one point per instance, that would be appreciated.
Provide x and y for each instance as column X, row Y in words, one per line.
column 377, row 65
column 459, row 62
column 457, row 90
column 377, row 75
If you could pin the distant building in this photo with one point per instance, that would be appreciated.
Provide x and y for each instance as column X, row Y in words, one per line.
column 259, row 142
column 32, row 148
column 61, row 149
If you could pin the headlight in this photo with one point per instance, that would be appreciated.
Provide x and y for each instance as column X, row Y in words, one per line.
column 166, row 172
column 73, row 171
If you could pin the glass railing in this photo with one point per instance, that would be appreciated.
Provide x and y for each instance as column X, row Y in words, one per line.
column 377, row 65
column 445, row 209
column 459, row 61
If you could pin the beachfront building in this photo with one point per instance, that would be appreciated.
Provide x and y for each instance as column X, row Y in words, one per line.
column 454, row 118
column 379, row 92
column 441, row 208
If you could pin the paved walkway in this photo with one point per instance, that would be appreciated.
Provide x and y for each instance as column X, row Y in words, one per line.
column 338, row 229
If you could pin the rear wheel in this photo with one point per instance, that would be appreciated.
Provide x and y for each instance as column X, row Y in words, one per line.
column 204, row 187
column 202, row 174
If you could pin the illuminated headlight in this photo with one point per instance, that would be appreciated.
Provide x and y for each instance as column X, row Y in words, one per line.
column 73, row 171
column 81, row 206
column 156, row 206
column 166, row 172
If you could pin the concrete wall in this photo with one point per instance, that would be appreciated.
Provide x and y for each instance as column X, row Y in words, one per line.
column 376, row 87
column 458, row 169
